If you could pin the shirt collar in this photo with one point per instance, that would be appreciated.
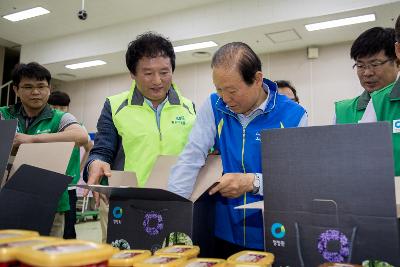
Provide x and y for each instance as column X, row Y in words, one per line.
column 363, row 100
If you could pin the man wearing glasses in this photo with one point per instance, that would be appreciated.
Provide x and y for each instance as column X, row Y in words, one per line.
column 39, row 123
column 376, row 66
column 385, row 104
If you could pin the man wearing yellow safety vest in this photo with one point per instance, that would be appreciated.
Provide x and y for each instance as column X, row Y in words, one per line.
column 150, row 119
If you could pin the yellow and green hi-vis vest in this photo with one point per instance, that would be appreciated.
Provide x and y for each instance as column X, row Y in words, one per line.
column 142, row 140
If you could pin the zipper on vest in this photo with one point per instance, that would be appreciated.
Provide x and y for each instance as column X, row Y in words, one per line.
column 243, row 167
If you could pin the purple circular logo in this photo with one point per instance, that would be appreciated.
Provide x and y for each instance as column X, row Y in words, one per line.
column 153, row 223
column 333, row 235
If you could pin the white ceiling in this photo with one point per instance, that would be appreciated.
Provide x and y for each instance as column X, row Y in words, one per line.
column 60, row 38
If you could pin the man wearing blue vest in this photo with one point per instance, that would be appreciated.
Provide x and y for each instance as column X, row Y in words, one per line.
column 231, row 121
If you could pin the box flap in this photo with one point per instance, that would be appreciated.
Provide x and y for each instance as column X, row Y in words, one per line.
column 29, row 200
column 259, row 205
column 123, row 179
column 158, row 177
column 135, row 193
column 49, row 156
column 7, row 133
column 209, row 174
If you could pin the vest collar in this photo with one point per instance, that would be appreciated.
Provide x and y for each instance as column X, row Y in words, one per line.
column 395, row 93
column 269, row 86
column 363, row 100
column 18, row 110
column 136, row 98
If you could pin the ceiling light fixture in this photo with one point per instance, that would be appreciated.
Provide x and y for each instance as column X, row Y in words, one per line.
column 26, row 14
column 183, row 48
column 85, row 64
column 339, row 22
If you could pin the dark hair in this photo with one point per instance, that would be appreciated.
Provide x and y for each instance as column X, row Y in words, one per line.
column 397, row 29
column 31, row 70
column 241, row 56
column 58, row 98
column 149, row 44
column 284, row 83
column 373, row 41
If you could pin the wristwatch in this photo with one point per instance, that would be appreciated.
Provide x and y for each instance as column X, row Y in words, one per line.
column 256, row 184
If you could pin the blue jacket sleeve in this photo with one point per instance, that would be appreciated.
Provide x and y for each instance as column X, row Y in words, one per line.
column 106, row 140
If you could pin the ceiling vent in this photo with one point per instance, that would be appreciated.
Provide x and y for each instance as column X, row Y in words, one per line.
column 283, row 36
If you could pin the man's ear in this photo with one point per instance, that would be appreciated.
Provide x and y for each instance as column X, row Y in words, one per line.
column 259, row 78
column 397, row 48
column 133, row 76
column 15, row 88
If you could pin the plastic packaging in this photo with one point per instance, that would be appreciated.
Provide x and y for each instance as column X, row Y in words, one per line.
column 128, row 257
column 65, row 253
column 162, row 261
column 185, row 251
column 205, row 262
column 251, row 258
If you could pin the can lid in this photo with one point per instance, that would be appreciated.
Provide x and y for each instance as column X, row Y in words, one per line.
column 128, row 257
column 205, row 262
column 186, row 251
column 65, row 253
column 162, row 261
column 249, row 257
column 13, row 233
column 9, row 247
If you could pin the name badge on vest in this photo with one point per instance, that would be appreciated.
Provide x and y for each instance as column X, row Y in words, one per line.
column 396, row 126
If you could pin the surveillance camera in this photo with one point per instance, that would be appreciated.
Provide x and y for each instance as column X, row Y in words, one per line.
column 82, row 14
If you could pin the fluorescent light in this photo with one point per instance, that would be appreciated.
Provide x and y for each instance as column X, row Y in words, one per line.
column 340, row 22
column 85, row 64
column 195, row 46
column 27, row 14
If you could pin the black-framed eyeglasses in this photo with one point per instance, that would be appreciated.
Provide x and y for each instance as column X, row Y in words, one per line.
column 30, row 88
column 373, row 65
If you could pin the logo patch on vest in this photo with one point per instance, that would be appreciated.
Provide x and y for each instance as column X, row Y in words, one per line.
column 396, row 126
column 43, row 131
column 179, row 120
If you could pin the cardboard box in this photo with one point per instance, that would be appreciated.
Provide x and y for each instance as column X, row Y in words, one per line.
column 28, row 200
column 150, row 218
column 7, row 133
column 329, row 194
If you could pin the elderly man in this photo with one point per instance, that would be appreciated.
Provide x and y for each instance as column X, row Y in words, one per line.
column 231, row 121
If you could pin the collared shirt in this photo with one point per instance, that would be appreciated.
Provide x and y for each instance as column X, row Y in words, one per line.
column 157, row 110
column 201, row 139
column 370, row 113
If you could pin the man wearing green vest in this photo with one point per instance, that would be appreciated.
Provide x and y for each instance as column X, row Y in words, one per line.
column 149, row 120
column 376, row 67
column 39, row 123
column 60, row 100
column 385, row 105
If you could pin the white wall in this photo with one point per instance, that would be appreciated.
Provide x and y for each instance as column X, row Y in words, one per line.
column 319, row 82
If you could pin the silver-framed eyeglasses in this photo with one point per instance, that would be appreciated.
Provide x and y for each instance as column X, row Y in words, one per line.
column 372, row 65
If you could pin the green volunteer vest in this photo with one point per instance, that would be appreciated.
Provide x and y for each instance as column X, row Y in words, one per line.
column 136, row 124
column 351, row 110
column 387, row 108
column 47, row 121
column 74, row 166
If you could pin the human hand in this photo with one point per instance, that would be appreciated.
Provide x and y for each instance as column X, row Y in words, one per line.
column 97, row 170
column 233, row 185
column 21, row 138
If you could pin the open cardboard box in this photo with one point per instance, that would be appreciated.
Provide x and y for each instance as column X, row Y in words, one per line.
column 29, row 198
column 152, row 217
